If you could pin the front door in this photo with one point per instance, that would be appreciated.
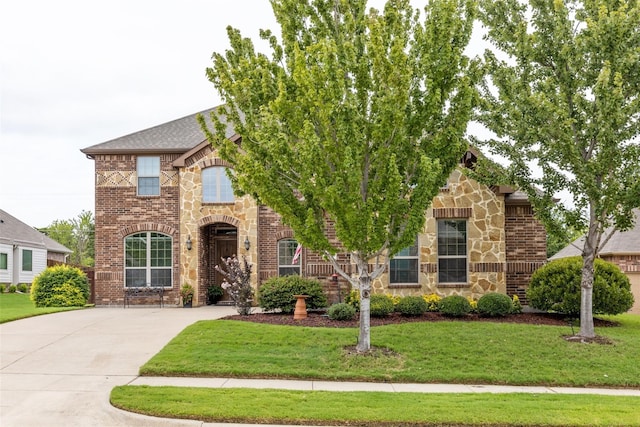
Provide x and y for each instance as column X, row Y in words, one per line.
column 223, row 243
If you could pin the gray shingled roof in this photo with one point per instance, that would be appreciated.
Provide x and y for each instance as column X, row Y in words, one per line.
column 176, row 136
column 621, row 243
column 13, row 231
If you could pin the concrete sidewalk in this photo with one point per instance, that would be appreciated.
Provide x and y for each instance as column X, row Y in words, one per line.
column 365, row 386
column 59, row 369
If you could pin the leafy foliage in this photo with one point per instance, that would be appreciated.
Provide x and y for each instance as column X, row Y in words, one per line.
column 432, row 301
column 277, row 293
column 237, row 282
column 355, row 120
column 186, row 292
column 562, row 97
column 556, row 287
column 494, row 304
column 412, row 306
column 60, row 286
column 455, row 306
column 381, row 305
column 214, row 293
column 341, row 311
column 76, row 234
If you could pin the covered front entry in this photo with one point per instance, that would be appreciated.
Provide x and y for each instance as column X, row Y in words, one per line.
column 218, row 240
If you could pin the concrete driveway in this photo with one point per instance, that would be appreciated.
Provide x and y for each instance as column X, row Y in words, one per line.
column 58, row 369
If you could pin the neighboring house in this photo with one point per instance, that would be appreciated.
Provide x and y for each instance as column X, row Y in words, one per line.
column 623, row 249
column 24, row 251
column 165, row 214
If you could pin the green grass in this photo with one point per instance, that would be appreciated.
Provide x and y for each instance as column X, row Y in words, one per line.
column 448, row 352
column 19, row 306
column 377, row 408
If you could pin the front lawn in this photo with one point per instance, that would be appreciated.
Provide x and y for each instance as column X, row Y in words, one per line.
column 18, row 306
column 377, row 409
column 438, row 352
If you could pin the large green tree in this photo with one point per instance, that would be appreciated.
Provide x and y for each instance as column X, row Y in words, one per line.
column 562, row 96
column 76, row 234
column 351, row 125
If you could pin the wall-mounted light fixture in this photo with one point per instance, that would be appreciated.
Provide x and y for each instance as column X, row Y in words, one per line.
column 247, row 243
column 188, row 242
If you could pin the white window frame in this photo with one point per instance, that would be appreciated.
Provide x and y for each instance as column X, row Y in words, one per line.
column 216, row 185
column 148, row 168
column 446, row 256
column 290, row 243
column 22, row 260
column 148, row 266
column 4, row 256
column 405, row 254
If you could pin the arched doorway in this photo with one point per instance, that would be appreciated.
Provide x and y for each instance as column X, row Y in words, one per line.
column 218, row 240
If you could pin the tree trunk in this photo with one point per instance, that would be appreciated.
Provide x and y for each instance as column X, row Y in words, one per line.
column 364, row 338
column 589, row 253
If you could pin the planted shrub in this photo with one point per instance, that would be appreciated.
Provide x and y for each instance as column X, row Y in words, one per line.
column 381, row 305
column 353, row 299
column 494, row 304
column 22, row 288
column 455, row 306
column 556, row 287
column 412, row 306
column 432, row 301
column 278, row 293
column 60, row 286
column 237, row 282
column 517, row 306
column 341, row 311
column 13, row 289
column 214, row 293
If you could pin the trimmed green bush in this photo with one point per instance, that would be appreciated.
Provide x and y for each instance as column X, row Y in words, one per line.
column 411, row 306
column 13, row 289
column 455, row 306
column 381, row 305
column 494, row 304
column 277, row 294
column 22, row 288
column 341, row 311
column 60, row 286
column 556, row 287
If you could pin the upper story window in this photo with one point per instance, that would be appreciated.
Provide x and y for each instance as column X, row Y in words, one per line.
column 403, row 267
column 452, row 251
column 216, row 185
column 27, row 260
column 148, row 257
column 148, row 176
column 4, row 261
column 289, row 252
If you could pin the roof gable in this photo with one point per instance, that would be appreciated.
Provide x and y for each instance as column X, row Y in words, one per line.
column 176, row 136
column 13, row 231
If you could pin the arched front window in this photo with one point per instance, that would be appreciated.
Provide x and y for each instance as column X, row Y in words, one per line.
column 216, row 185
column 288, row 261
column 148, row 257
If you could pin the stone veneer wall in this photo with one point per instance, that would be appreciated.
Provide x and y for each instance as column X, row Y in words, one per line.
column 119, row 211
column 242, row 214
column 463, row 198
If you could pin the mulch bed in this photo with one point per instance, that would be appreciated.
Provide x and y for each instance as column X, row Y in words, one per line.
column 320, row 319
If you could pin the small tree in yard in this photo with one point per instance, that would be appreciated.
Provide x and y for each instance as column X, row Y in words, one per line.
column 564, row 99
column 356, row 120
column 237, row 282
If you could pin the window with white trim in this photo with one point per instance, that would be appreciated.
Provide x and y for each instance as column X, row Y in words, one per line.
column 4, row 261
column 216, row 185
column 148, row 175
column 27, row 260
column 452, row 251
column 403, row 267
column 148, row 259
column 286, row 253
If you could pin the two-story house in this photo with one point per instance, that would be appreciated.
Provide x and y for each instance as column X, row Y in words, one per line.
column 165, row 214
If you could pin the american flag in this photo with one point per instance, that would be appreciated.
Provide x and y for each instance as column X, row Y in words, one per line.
column 296, row 255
